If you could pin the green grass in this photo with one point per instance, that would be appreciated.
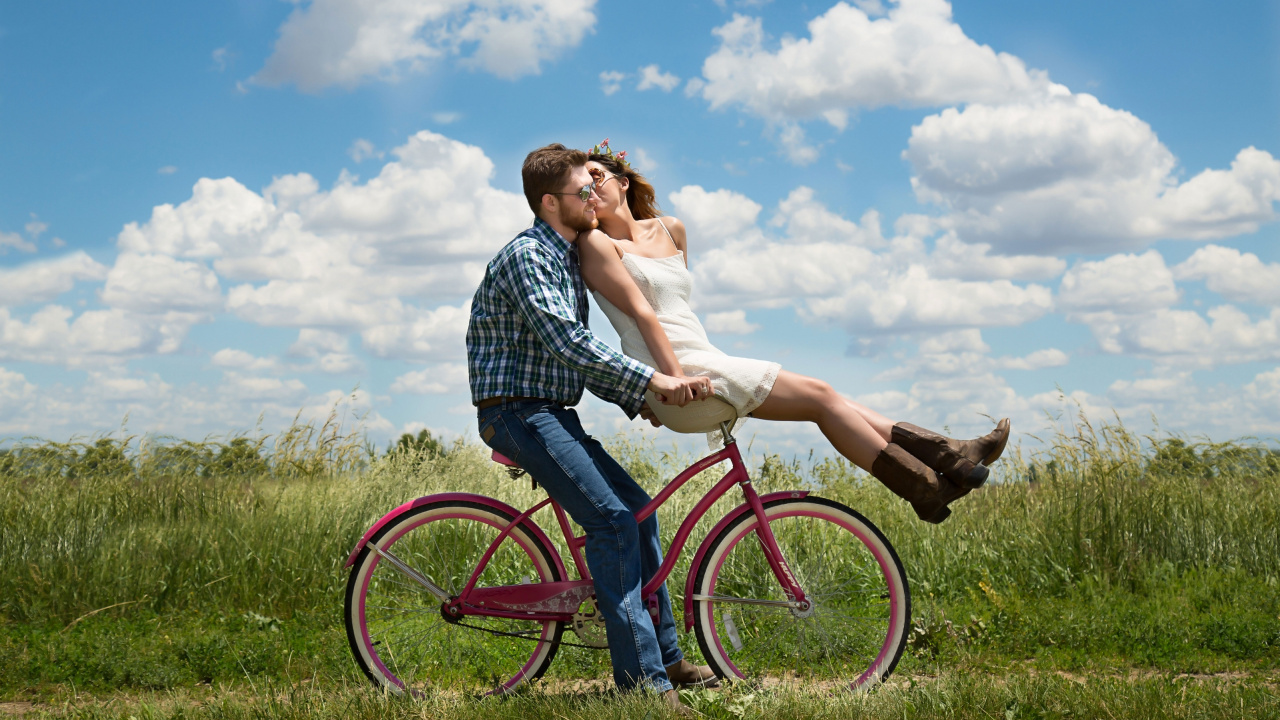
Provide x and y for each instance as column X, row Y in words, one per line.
column 1009, row 696
column 176, row 567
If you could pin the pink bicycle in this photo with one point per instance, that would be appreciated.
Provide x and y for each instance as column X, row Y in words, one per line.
column 464, row 591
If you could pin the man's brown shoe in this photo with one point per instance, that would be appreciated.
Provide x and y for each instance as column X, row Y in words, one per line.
column 672, row 699
column 685, row 674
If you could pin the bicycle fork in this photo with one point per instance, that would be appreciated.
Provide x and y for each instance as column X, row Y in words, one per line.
column 769, row 544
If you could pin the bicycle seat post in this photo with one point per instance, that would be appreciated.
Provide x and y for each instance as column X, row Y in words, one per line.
column 726, row 429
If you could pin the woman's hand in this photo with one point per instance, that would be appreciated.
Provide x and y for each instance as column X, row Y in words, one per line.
column 680, row 391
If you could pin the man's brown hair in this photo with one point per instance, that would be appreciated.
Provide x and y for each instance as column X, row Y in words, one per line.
column 546, row 169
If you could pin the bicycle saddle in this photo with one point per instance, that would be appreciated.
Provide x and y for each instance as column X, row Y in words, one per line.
column 699, row 416
column 504, row 460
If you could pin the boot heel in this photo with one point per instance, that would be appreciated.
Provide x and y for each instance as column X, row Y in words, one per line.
column 975, row 478
column 939, row 516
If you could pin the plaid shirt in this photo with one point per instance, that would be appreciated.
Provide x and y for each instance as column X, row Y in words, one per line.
column 528, row 334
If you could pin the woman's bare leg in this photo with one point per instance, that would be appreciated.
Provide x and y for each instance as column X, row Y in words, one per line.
column 796, row 397
column 882, row 425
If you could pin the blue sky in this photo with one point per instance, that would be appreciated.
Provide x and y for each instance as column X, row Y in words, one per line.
column 215, row 212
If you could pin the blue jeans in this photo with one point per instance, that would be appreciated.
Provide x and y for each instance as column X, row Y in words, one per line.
column 548, row 441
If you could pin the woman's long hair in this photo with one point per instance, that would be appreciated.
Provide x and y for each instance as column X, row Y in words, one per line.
column 641, row 197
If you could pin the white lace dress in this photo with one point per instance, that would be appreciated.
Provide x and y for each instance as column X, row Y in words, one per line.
column 666, row 284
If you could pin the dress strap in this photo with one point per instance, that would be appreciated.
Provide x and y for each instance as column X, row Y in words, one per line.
column 664, row 227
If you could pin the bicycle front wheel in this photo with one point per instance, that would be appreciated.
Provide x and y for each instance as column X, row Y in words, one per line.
column 860, row 605
column 396, row 629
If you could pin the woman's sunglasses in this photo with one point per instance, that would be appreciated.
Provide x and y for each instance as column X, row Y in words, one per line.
column 600, row 177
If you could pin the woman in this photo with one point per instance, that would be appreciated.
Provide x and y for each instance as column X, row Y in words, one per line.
column 636, row 265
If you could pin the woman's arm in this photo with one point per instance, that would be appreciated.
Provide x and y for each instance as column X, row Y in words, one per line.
column 604, row 273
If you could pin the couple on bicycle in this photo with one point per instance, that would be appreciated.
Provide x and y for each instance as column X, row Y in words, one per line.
column 530, row 355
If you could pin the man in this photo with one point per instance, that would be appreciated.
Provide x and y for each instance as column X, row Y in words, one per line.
column 529, row 356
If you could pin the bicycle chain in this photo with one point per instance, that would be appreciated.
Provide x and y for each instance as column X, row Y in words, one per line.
column 526, row 637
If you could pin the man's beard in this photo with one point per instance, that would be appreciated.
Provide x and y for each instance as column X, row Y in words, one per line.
column 577, row 221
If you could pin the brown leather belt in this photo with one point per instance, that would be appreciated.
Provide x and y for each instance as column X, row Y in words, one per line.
column 490, row 402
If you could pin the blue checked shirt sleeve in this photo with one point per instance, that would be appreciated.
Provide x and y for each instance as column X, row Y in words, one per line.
column 542, row 292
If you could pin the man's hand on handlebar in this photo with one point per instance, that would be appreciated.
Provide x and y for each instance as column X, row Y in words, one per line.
column 646, row 413
column 679, row 391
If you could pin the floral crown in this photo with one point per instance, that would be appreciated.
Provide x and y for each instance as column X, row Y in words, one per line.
column 604, row 149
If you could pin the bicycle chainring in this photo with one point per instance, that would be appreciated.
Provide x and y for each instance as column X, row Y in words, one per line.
column 589, row 625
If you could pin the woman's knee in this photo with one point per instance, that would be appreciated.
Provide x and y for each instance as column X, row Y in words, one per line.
column 820, row 398
column 628, row 530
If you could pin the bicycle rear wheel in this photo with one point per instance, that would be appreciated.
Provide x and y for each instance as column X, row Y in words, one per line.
column 856, row 628
column 396, row 629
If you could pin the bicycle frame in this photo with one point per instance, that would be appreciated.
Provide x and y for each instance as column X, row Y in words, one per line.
column 558, row 601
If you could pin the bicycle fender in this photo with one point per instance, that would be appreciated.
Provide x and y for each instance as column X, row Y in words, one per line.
column 454, row 496
column 705, row 547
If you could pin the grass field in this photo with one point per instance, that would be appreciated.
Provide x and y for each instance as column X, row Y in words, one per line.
column 1107, row 575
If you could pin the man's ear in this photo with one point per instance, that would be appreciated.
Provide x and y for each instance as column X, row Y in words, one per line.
column 549, row 205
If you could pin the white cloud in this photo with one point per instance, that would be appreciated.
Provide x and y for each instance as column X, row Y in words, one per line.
column 1067, row 173
column 17, row 397
column 1119, row 284
column 445, row 118
column 159, row 283
column 652, row 77
column 1264, row 395
column 167, row 170
column 611, row 81
column 1037, row 360
column 1184, row 337
column 15, row 241
column 436, row 380
column 355, row 256
column 313, row 343
column 347, row 42
column 95, row 337
column 1127, row 301
column 732, row 322
column 795, row 146
column 642, row 160
column 331, row 350
column 437, row 334
column 809, row 221
column 911, row 300
column 1237, row 276
column 44, row 280
column 914, row 57
column 1021, row 164
column 220, row 213
column 714, row 217
column 834, row 270
column 234, row 359
column 289, row 391
column 956, row 259
column 362, row 256
column 362, row 150
column 35, row 227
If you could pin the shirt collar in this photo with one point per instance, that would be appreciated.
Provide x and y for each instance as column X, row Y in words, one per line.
column 547, row 234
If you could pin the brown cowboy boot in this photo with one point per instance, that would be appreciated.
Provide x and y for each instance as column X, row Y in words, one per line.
column 928, row 492
column 961, row 461
column 685, row 674
column 988, row 448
